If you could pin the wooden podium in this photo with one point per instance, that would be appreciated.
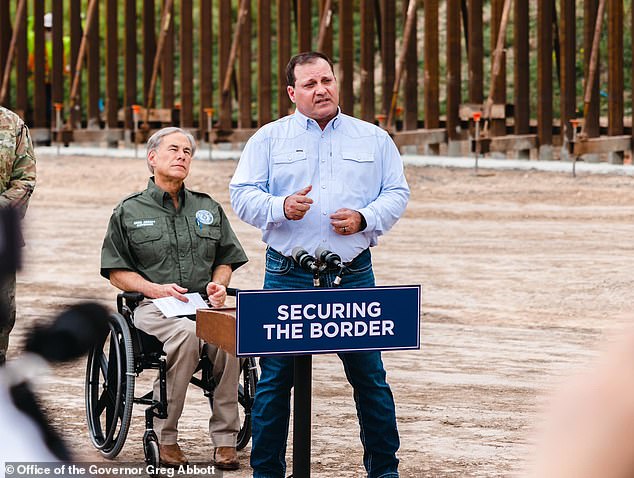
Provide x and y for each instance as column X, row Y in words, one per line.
column 218, row 327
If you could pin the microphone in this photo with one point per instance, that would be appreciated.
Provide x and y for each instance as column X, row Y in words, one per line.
column 304, row 259
column 332, row 260
column 306, row 262
column 72, row 334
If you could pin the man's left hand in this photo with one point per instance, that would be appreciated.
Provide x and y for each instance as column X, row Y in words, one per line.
column 346, row 221
column 217, row 294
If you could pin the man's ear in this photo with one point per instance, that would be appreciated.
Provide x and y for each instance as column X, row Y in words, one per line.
column 291, row 93
column 151, row 158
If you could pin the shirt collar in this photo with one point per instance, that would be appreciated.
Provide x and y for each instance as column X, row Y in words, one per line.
column 305, row 122
column 163, row 198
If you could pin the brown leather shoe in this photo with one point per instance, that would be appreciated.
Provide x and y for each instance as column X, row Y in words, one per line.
column 172, row 455
column 226, row 458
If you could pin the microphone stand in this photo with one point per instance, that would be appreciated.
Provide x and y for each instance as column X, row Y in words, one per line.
column 306, row 262
column 302, row 410
column 342, row 270
column 302, row 382
column 331, row 259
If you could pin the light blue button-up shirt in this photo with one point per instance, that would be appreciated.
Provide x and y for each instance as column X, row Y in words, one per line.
column 350, row 164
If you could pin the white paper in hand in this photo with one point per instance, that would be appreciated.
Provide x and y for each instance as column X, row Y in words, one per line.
column 172, row 307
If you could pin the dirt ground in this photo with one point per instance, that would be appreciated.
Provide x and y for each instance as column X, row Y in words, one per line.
column 523, row 275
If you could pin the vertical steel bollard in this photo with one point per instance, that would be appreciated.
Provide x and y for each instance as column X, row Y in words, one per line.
column 135, row 128
column 476, row 119
column 210, row 114
column 575, row 125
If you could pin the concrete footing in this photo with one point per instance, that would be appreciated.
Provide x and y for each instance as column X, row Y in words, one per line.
column 615, row 157
column 545, row 153
column 454, row 148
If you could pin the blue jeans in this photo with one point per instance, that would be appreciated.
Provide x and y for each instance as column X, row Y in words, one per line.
column 364, row 371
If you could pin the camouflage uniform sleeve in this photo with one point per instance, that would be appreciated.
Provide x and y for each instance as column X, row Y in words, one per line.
column 22, row 175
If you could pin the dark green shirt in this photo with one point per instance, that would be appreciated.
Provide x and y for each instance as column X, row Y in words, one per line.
column 146, row 234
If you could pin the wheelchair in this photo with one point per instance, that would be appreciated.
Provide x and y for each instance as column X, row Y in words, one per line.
column 111, row 369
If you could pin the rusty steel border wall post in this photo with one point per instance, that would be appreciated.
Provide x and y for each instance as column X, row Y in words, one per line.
column 232, row 56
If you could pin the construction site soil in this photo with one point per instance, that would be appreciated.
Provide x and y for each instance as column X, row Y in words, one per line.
column 524, row 275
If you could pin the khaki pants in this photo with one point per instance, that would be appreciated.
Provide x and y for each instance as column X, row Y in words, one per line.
column 183, row 349
column 7, row 313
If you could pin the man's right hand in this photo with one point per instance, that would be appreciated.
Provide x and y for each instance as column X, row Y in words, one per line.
column 297, row 204
column 171, row 290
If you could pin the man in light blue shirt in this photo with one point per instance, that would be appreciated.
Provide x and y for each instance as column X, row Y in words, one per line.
column 320, row 179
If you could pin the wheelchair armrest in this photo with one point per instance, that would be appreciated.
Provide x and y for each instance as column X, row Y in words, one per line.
column 135, row 296
column 132, row 299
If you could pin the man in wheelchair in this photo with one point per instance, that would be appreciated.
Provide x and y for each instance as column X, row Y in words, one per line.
column 166, row 241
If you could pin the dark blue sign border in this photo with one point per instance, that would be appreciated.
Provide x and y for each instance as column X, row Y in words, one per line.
column 245, row 326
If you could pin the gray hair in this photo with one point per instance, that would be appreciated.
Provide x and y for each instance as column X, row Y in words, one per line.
column 155, row 141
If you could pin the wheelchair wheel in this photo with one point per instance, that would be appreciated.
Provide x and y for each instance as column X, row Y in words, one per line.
column 151, row 450
column 109, row 392
column 246, row 395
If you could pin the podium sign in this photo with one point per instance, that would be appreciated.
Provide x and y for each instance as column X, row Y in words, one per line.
column 279, row 322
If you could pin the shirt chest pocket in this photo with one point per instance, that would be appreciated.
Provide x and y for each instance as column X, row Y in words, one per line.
column 356, row 169
column 207, row 239
column 350, row 158
column 150, row 244
column 290, row 172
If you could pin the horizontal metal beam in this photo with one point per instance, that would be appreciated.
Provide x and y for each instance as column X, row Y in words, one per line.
column 514, row 142
column 232, row 136
column 160, row 115
column 98, row 135
column 603, row 144
column 420, row 137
